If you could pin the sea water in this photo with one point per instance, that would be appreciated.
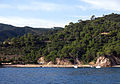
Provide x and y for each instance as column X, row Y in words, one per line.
column 59, row 76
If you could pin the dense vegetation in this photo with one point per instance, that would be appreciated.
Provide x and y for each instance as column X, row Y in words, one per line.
column 85, row 40
column 9, row 31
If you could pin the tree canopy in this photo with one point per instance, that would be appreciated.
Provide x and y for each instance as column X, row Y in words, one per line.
column 85, row 40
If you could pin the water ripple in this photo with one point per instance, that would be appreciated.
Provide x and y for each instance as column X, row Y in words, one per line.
column 59, row 76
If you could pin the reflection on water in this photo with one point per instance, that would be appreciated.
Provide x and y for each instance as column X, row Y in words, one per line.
column 59, row 76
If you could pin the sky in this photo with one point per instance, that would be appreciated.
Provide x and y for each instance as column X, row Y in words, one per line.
column 53, row 13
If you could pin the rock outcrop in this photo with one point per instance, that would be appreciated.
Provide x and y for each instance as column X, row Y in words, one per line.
column 92, row 63
column 41, row 60
column 78, row 62
column 58, row 61
column 62, row 62
column 107, row 61
column 49, row 63
column 115, row 60
column 103, row 62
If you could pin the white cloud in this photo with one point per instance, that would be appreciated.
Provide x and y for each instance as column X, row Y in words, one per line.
column 33, row 5
column 38, row 6
column 45, row 6
column 82, row 7
column 5, row 6
column 33, row 22
column 80, row 17
column 104, row 4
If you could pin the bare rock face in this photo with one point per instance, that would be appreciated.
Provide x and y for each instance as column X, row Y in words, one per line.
column 115, row 60
column 78, row 62
column 41, row 60
column 62, row 62
column 92, row 63
column 58, row 61
column 50, row 63
column 103, row 62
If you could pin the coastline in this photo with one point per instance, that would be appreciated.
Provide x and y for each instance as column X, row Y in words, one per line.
column 37, row 65
column 116, row 66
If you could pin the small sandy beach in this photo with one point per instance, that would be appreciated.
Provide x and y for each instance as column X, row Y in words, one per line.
column 37, row 65
column 116, row 66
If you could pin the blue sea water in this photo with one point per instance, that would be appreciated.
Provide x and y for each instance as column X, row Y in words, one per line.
column 59, row 76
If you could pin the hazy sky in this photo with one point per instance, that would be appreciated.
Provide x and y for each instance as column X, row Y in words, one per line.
column 50, row 13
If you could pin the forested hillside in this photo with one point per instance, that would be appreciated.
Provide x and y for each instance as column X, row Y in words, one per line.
column 85, row 40
column 9, row 31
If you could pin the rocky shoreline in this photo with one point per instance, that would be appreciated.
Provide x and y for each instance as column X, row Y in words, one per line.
column 37, row 65
column 101, row 61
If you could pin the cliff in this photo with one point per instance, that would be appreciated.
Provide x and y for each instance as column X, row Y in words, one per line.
column 107, row 61
column 58, row 61
column 103, row 62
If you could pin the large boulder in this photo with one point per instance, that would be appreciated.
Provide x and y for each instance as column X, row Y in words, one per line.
column 41, row 60
column 103, row 62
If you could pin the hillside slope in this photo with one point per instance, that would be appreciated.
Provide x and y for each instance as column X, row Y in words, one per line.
column 9, row 31
column 84, row 41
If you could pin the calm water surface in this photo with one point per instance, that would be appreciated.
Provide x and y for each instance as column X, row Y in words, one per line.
column 59, row 76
